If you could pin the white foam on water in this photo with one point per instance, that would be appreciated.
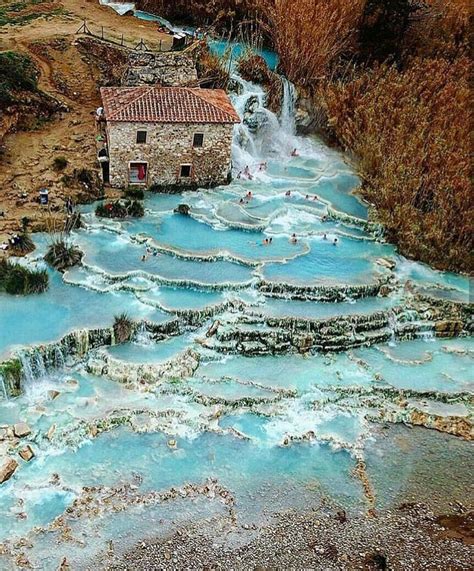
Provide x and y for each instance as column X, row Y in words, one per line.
column 120, row 7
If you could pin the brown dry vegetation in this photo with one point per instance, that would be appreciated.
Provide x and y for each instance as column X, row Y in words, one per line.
column 311, row 35
column 406, row 118
column 223, row 15
column 253, row 67
column 410, row 131
column 213, row 71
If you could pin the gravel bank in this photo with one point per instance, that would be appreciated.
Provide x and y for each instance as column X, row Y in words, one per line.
column 408, row 538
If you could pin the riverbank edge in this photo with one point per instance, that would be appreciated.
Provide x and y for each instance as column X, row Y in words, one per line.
column 408, row 537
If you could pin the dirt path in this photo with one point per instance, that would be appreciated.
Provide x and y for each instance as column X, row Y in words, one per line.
column 74, row 13
column 26, row 163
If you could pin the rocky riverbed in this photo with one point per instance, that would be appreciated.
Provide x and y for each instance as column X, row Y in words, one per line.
column 409, row 538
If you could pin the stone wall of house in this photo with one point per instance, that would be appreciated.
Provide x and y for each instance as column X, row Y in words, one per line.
column 169, row 146
column 167, row 69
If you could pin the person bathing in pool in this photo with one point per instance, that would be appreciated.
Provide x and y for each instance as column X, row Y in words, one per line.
column 247, row 173
column 294, row 152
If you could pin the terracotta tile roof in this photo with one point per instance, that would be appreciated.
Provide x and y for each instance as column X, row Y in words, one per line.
column 167, row 105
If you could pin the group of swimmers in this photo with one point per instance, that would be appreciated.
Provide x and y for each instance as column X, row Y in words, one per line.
column 245, row 200
column 248, row 175
column 307, row 197
column 261, row 167
column 149, row 252
column 334, row 242
column 294, row 239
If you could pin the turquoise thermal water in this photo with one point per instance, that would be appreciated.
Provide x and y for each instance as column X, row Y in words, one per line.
column 278, row 431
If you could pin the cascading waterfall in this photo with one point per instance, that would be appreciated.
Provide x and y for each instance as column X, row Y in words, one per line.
column 36, row 364
column 33, row 367
column 82, row 341
column 426, row 334
column 392, row 322
column 120, row 7
column 287, row 117
column 3, row 387
column 142, row 336
column 59, row 359
column 262, row 134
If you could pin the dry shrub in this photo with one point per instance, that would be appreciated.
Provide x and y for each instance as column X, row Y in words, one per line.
column 123, row 328
column 442, row 28
column 213, row 71
column 311, row 35
column 223, row 15
column 410, row 130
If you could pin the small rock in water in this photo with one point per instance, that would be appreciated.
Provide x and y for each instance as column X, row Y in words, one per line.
column 172, row 444
column 51, row 431
column 53, row 394
column 7, row 469
column 21, row 429
column 26, row 453
column 386, row 263
column 182, row 209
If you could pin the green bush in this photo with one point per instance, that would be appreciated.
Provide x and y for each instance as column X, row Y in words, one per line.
column 134, row 193
column 120, row 209
column 60, row 163
column 24, row 244
column 12, row 373
column 19, row 280
column 17, row 73
column 62, row 255
column 135, row 209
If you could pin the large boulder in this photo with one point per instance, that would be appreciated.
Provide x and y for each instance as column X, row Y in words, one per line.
column 182, row 209
column 21, row 430
column 252, row 104
column 256, row 121
column 26, row 453
column 7, row 469
column 448, row 328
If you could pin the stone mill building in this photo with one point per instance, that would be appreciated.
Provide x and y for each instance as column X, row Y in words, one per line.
column 168, row 136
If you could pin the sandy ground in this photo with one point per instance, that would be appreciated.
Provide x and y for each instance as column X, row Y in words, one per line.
column 26, row 163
